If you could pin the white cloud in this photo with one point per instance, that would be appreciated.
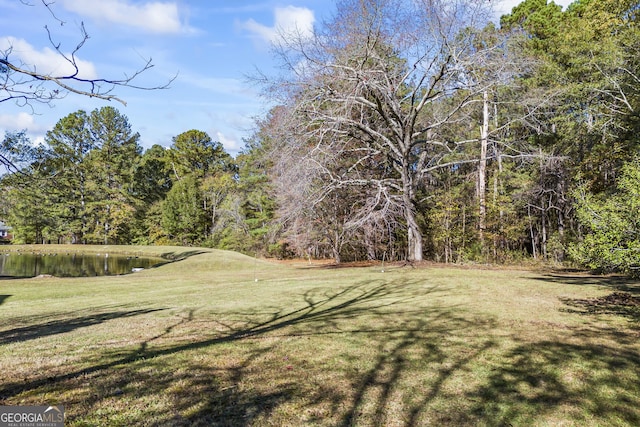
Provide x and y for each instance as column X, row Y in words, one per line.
column 287, row 20
column 231, row 145
column 23, row 121
column 14, row 122
column 46, row 61
column 155, row 17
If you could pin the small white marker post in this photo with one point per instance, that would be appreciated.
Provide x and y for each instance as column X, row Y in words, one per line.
column 383, row 257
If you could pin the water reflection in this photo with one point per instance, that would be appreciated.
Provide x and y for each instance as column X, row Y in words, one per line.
column 72, row 265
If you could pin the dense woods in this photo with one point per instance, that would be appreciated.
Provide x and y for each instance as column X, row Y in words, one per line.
column 401, row 130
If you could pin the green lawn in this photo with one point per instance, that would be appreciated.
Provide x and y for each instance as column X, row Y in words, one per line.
column 201, row 342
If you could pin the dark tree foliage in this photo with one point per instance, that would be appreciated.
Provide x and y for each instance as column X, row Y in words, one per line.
column 466, row 143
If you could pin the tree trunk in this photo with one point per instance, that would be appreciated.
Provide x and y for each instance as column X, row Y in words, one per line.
column 335, row 246
column 106, row 225
column 534, row 251
column 369, row 242
column 83, row 213
column 543, row 218
column 482, row 168
column 561, row 210
column 336, row 256
column 414, row 234
column 414, row 248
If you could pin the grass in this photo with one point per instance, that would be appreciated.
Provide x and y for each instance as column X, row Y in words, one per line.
column 201, row 342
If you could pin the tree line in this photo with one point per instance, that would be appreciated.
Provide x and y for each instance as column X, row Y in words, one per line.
column 91, row 182
column 400, row 130
column 419, row 129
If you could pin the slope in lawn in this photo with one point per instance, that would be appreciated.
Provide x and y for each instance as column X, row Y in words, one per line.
column 200, row 342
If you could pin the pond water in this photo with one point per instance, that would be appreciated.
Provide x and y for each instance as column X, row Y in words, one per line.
column 72, row 265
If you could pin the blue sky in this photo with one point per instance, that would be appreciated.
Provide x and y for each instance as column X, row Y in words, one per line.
column 211, row 45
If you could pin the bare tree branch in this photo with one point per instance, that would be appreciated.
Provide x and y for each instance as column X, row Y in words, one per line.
column 24, row 84
column 374, row 98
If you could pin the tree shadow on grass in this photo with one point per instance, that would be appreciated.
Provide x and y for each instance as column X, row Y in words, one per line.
column 202, row 394
column 3, row 298
column 388, row 384
column 618, row 283
column 179, row 256
column 548, row 382
column 589, row 376
column 622, row 304
column 368, row 354
column 61, row 326
column 624, row 300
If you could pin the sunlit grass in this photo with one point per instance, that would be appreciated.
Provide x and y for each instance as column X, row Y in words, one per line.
column 201, row 342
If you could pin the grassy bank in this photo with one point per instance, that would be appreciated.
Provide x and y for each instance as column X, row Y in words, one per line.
column 201, row 342
column 168, row 252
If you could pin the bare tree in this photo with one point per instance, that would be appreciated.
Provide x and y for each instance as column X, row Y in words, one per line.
column 374, row 94
column 24, row 84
